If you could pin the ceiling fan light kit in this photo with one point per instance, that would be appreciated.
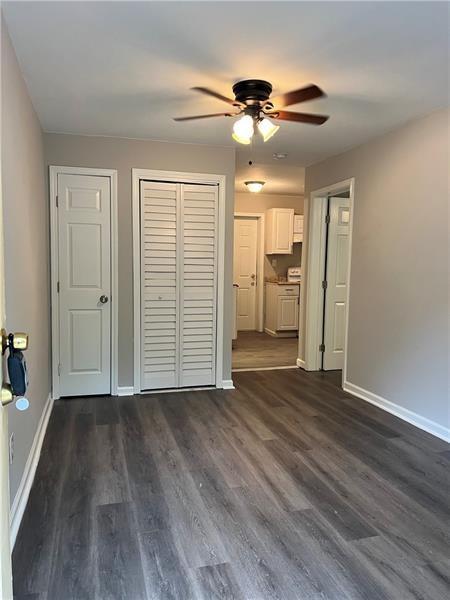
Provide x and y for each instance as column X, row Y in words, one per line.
column 243, row 130
column 254, row 186
column 252, row 99
column 267, row 129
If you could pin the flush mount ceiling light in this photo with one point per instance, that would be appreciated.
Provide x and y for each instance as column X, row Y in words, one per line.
column 254, row 186
column 254, row 107
column 279, row 155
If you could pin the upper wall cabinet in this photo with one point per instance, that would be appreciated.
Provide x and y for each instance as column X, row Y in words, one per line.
column 298, row 228
column 279, row 230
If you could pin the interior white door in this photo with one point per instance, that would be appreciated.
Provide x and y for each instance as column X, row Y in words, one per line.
column 178, row 284
column 337, row 282
column 159, row 285
column 6, row 592
column 84, row 242
column 245, row 270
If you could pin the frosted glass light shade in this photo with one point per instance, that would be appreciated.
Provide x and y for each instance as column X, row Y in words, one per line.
column 267, row 129
column 243, row 130
column 254, row 186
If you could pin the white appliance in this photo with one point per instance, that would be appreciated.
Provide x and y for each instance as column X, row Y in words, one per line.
column 294, row 274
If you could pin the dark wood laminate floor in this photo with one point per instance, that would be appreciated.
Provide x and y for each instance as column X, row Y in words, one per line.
column 253, row 349
column 285, row 488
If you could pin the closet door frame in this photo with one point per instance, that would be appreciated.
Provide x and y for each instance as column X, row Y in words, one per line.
column 178, row 177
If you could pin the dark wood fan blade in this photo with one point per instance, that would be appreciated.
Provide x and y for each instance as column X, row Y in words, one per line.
column 214, row 94
column 204, row 116
column 286, row 115
column 309, row 92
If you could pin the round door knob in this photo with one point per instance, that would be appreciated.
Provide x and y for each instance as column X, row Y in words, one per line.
column 103, row 299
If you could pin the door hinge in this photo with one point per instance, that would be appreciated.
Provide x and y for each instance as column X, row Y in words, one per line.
column 324, row 284
column 322, row 348
column 57, row 287
column 327, row 219
column 59, row 369
column 57, row 201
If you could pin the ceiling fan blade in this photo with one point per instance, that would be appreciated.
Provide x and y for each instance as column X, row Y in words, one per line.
column 309, row 92
column 214, row 94
column 204, row 116
column 286, row 115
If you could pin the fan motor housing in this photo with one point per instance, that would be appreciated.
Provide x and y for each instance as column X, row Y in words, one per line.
column 252, row 91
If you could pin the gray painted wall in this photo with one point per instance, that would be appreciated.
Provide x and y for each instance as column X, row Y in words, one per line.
column 398, row 319
column 25, row 215
column 123, row 155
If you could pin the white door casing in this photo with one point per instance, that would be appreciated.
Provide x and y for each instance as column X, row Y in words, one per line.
column 84, row 265
column 337, row 282
column 178, row 284
column 245, row 270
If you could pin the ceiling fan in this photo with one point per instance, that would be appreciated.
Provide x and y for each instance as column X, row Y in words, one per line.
column 252, row 101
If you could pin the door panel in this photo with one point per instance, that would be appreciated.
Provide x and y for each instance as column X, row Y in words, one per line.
column 159, row 290
column 84, row 230
column 198, row 285
column 284, row 231
column 245, row 271
column 178, row 284
column 287, row 313
column 337, row 278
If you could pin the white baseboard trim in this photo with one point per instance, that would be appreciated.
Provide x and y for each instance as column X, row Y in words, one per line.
column 126, row 390
column 263, row 369
column 227, row 384
column 399, row 411
column 301, row 363
column 20, row 501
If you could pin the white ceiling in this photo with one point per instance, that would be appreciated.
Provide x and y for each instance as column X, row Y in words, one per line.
column 280, row 178
column 125, row 68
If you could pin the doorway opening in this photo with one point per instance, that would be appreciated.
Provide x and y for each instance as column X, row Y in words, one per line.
column 327, row 289
column 266, row 303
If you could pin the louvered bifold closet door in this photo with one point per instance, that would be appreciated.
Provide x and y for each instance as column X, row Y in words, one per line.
column 198, row 284
column 159, row 286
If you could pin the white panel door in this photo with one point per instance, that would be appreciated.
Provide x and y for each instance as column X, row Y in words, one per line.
column 245, row 270
column 84, row 241
column 160, row 213
column 337, row 282
column 198, row 298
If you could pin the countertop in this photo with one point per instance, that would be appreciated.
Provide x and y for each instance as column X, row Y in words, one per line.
column 284, row 282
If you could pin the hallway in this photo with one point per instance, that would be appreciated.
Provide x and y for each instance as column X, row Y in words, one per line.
column 255, row 350
column 284, row 488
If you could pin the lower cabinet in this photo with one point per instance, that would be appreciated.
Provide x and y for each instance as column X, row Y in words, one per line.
column 287, row 313
column 282, row 309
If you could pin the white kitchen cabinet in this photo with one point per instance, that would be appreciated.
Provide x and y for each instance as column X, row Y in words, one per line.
column 298, row 228
column 279, row 230
column 287, row 313
column 282, row 309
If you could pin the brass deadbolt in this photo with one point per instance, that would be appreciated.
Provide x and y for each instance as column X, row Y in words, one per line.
column 19, row 340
